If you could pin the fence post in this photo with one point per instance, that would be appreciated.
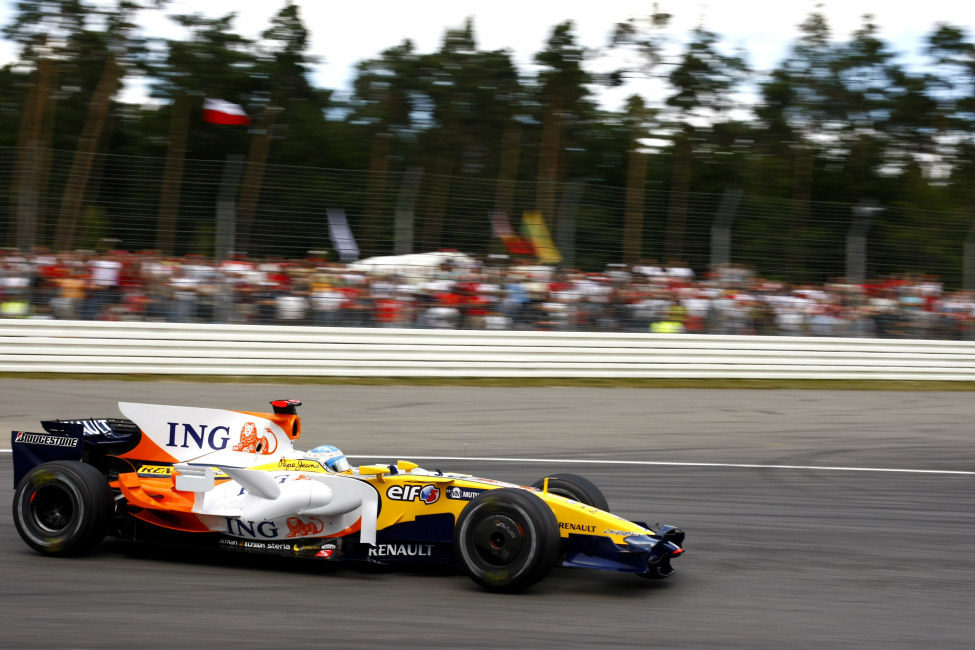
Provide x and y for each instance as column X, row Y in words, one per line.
column 721, row 228
column 856, row 242
column 227, row 207
column 403, row 226
column 226, row 232
column 27, row 200
column 968, row 272
column 565, row 222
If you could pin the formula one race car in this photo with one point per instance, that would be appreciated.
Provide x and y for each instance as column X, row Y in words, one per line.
column 232, row 479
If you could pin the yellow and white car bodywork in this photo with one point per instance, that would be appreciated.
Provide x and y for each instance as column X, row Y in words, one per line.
column 234, row 478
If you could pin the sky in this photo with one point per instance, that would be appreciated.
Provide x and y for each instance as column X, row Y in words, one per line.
column 343, row 33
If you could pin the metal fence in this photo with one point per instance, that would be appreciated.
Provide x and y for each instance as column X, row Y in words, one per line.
column 415, row 210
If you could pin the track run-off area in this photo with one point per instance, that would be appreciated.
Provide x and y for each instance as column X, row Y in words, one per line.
column 814, row 519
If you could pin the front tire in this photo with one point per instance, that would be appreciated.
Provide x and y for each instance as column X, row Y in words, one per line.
column 63, row 508
column 575, row 487
column 506, row 539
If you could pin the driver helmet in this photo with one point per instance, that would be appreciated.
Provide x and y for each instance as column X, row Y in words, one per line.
column 331, row 457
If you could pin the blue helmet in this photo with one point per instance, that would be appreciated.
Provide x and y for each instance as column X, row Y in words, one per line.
column 331, row 457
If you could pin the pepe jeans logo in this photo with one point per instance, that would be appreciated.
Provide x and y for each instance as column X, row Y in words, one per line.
column 300, row 465
column 218, row 438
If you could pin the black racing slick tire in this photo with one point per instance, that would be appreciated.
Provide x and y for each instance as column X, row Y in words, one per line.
column 63, row 508
column 575, row 487
column 506, row 539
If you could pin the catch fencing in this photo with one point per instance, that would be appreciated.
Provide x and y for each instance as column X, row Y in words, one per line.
column 417, row 211
column 41, row 346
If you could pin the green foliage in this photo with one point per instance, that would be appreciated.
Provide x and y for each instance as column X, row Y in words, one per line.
column 563, row 78
column 94, row 228
column 13, row 90
column 835, row 122
column 704, row 78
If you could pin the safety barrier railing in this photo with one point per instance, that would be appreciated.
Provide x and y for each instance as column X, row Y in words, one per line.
column 53, row 346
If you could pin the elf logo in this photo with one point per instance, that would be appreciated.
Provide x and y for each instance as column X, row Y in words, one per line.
column 426, row 493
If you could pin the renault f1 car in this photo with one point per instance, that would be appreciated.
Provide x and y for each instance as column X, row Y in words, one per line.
column 233, row 479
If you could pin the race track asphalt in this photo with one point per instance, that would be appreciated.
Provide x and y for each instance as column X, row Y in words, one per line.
column 775, row 557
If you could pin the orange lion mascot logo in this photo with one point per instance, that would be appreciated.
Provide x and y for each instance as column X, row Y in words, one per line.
column 253, row 443
column 300, row 528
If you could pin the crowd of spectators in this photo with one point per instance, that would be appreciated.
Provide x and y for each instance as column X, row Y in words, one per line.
column 460, row 292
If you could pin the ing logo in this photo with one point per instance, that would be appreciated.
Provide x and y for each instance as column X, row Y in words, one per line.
column 252, row 442
column 298, row 527
column 219, row 437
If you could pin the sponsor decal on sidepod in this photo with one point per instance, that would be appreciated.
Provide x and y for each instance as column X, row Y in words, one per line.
column 326, row 551
column 580, row 528
column 298, row 527
column 402, row 550
column 426, row 493
column 241, row 528
column 462, row 494
column 155, row 470
column 300, row 465
column 217, row 438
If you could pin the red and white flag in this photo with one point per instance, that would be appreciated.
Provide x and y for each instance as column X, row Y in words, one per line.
column 218, row 111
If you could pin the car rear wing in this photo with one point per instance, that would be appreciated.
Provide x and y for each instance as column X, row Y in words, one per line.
column 32, row 449
column 69, row 440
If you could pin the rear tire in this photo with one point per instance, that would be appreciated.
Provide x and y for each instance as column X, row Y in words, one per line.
column 575, row 487
column 506, row 539
column 63, row 508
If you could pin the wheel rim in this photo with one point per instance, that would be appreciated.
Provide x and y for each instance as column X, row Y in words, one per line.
column 498, row 540
column 51, row 508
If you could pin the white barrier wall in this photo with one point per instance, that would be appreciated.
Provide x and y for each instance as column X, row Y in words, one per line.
column 253, row 350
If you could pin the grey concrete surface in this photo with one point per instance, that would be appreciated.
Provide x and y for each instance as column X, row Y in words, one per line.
column 775, row 558
column 872, row 428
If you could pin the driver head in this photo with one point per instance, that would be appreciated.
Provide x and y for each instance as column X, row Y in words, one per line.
column 331, row 457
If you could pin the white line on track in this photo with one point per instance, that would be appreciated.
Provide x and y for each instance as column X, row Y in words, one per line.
column 661, row 463
column 671, row 464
